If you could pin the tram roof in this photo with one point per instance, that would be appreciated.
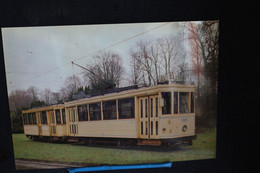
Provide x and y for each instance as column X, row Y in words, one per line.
column 44, row 108
column 114, row 93
column 124, row 93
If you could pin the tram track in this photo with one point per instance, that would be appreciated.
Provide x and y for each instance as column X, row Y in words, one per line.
column 33, row 164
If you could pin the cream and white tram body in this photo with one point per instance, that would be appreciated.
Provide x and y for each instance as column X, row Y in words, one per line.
column 45, row 122
column 155, row 115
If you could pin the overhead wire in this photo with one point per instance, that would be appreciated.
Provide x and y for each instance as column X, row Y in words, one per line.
column 120, row 42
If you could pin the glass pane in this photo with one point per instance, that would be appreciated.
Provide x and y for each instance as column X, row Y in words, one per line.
column 58, row 117
column 30, row 118
column 44, row 117
column 156, row 127
column 142, row 130
column 151, row 127
column 151, row 107
column 166, row 109
column 95, row 111
column 73, row 115
column 184, row 108
column 156, row 108
column 192, row 103
column 34, row 118
column 52, row 117
column 126, row 108
column 25, row 119
column 83, row 112
column 70, row 115
column 146, row 105
column 175, row 103
column 109, row 110
column 141, row 108
column 63, row 116
column 146, row 128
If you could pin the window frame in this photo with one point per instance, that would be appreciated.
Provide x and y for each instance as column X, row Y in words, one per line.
column 114, row 109
column 63, row 114
column 132, row 107
column 187, row 103
column 58, row 121
column 25, row 119
column 94, row 111
column 83, row 116
column 44, row 118
column 169, row 101
column 30, row 119
column 34, row 119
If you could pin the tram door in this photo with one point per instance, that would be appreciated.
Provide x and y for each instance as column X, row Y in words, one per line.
column 52, row 123
column 73, row 119
column 149, row 119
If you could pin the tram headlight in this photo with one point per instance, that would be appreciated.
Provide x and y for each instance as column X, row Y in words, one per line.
column 184, row 128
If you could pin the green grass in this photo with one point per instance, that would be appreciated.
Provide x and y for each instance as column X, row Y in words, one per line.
column 204, row 147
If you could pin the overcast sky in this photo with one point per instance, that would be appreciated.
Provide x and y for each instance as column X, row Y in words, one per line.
column 41, row 56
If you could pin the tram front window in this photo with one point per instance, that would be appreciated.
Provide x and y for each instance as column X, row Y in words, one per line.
column 184, row 100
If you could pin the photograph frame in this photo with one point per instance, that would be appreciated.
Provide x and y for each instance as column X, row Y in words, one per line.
column 178, row 166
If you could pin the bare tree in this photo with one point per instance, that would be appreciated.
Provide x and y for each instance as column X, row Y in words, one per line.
column 168, row 53
column 33, row 92
column 72, row 83
column 183, row 74
column 19, row 99
column 56, row 98
column 64, row 94
column 144, row 59
column 106, row 72
column 135, row 69
column 47, row 95
column 155, row 58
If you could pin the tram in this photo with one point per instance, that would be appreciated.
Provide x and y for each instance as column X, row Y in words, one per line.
column 155, row 115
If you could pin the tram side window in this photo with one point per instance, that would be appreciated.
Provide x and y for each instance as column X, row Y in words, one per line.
column 83, row 112
column 44, row 117
column 95, row 111
column 126, row 108
column 34, row 121
column 109, row 110
column 27, row 119
column 58, row 116
column 30, row 118
column 25, row 122
column 184, row 102
column 63, row 116
column 166, row 109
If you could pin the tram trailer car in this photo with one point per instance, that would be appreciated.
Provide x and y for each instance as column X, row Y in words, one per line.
column 156, row 115
column 45, row 122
